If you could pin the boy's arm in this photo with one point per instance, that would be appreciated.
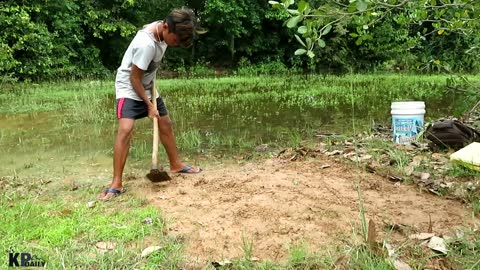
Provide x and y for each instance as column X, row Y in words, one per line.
column 136, row 80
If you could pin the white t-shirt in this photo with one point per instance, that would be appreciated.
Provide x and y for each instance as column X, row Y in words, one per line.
column 146, row 53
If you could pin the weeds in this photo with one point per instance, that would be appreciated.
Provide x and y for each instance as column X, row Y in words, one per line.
column 64, row 233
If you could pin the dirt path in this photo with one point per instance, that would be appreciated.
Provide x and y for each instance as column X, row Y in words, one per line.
column 276, row 203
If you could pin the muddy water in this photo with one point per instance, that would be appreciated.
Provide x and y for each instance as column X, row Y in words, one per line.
column 224, row 126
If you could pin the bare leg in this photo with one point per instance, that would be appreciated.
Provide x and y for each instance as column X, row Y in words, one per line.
column 120, row 154
column 168, row 140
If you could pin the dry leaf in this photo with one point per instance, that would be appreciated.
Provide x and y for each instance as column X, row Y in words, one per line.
column 66, row 211
column 424, row 176
column 399, row 265
column 421, row 236
column 105, row 246
column 150, row 250
column 390, row 249
column 372, row 235
column 430, row 224
column 438, row 244
column 334, row 152
column 91, row 204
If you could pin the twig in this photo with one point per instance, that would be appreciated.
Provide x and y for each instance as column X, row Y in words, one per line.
column 474, row 107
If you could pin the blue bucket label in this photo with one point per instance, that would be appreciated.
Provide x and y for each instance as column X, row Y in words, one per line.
column 405, row 130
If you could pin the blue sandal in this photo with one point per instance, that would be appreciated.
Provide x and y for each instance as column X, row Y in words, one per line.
column 116, row 192
column 187, row 170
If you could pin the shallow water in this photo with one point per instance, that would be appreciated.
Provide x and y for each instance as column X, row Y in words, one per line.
column 229, row 116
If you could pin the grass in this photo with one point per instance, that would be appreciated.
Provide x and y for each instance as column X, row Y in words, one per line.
column 64, row 232
column 226, row 114
column 73, row 123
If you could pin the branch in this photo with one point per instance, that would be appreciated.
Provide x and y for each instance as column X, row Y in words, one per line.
column 393, row 6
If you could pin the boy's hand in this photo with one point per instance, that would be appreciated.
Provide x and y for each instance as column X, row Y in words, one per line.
column 152, row 112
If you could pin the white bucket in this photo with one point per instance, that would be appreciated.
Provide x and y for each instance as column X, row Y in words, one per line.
column 407, row 120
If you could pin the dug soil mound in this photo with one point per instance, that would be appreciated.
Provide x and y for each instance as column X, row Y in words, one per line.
column 274, row 204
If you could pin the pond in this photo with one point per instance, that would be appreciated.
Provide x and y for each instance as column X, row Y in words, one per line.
column 213, row 116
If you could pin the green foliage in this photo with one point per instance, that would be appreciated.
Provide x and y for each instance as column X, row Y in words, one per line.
column 410, row 34
column 70, row 39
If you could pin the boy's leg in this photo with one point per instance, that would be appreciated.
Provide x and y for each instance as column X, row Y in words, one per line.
column 168, row 140
column 120, row 154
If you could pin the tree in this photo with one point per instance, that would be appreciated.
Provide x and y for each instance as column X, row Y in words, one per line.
column 314, row 21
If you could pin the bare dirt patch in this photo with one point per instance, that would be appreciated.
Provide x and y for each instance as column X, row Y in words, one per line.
column 277, row 203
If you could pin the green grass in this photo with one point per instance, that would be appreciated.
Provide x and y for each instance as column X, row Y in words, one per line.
column 63, row 232
column 226, row 114
column 461, row 171
column 300, row 257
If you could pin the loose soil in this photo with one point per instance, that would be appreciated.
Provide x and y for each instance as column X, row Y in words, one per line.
column 274, row 204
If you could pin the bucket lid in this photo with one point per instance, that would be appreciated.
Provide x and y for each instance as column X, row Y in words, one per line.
column 408, row 105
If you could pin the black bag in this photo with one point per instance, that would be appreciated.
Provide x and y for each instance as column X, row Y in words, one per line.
column 451, row 134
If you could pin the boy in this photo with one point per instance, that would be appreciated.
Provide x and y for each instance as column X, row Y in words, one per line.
column 133, row 86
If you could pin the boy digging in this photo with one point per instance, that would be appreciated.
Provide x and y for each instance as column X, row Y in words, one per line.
column 133, row 86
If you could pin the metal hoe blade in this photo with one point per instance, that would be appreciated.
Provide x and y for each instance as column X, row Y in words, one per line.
column 156, row 175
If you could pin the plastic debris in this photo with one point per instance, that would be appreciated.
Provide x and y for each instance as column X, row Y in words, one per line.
column 469, row 156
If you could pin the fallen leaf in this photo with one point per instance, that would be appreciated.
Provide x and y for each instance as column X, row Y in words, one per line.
column 438, row 244
column 446, row 185
column 333, row 153
column 105, row 246
column 422, row 236
column 119, row 226
column 66, row 211
column 439, row 157
column 150, row 250
column 409, row 170
column 434, row 192
column 399, row 265
column 395, row 178
column 417, row 160
column 221, row 263
column 91, row 204
column 372, row 235
column 430, row 224
column 261, row 148
column 390, row 249
column 424, row 176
